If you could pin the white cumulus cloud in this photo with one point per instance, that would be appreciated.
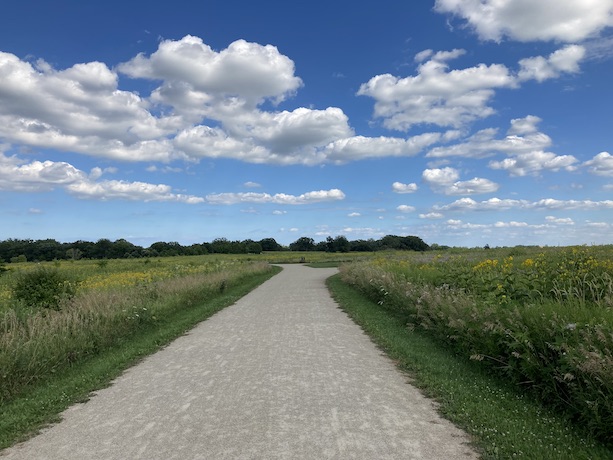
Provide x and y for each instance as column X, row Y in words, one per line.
column 524, row 145
column 529, row 20
column 565, row 60
column 399, row 187
column 535, row 162
column 250, row 71
column 445, row 180
column 437, row 95
column 405, row 208
column 37, row 176
column 601, row 164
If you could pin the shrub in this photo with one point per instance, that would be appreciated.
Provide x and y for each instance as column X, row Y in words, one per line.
column 43, row 288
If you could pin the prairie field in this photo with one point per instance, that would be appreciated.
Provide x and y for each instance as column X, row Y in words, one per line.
column 85, row 307
column 55, row 314
column 539, row 317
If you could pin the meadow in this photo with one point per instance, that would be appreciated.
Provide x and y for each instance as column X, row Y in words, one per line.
column 55, row 314
column 96, row 305
column 539, row 317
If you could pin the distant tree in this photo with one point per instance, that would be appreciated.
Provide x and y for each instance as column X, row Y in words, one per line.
column 102, row 249
column 341, row 244
column 270, row 244
column 45, row 250
column 123, row 249
column 252, row 247
column 405, row 243
column 338, row 244
column 196, row 250
column 163, row 249
column 302, row 244
column 74, row 254
column 220, row 246
column 415, row 243
column 363, row 245
column 87, row 248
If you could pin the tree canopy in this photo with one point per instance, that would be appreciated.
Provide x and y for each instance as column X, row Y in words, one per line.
column 17, row 250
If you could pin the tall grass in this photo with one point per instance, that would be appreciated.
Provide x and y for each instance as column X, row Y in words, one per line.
column 37, row 343
column 543, row 320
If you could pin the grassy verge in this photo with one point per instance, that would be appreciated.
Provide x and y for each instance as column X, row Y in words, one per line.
column 503, row 422
column 42, row 403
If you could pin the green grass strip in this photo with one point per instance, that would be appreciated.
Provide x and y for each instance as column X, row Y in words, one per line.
column 504, row 423
column 41, row 404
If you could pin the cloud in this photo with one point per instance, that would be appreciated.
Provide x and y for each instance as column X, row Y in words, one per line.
column 524, row 145
column 250, row 184
column 436, row 95
column 19, row 176
column 360, row 147
column 526, row 20
column 560, row 220
column 81, row 109
column 431, row 215
column 497, row 204
column 405, row 208
column 131, row 191
column 249, row 71
column 511, row 224
column 445, row 181
column 279, row 198
column 36, row 176
column 522, row 137
column 565, row 60
column 601, row 164
column 78, row 109
column 354, row 214
column 209, row 104
column 534, row 162
column 399, row 187
column 286, row 132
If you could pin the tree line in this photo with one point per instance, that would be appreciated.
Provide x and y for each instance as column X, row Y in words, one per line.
column 24, row 250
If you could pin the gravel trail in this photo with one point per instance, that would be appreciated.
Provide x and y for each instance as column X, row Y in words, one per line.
column 281, row 374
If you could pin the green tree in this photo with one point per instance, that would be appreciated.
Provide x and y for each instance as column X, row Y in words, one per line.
column 270, row 244
column 303, row 244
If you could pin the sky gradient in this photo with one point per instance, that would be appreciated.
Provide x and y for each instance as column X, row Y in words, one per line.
column 463, row 122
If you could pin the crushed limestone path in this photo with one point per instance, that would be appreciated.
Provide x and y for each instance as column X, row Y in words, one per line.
column 281, row 374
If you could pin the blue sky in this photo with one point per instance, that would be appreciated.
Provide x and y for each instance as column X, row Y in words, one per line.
column 463, row 122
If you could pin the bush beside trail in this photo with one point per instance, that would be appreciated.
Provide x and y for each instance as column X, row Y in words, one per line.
column 44, row 288
column 544, row 322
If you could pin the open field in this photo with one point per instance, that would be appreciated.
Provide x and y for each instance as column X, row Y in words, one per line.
column 95, row 275
column 96, row 306
column 541, row 318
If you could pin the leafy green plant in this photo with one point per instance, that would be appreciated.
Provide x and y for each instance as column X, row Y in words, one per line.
column 43, row 288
